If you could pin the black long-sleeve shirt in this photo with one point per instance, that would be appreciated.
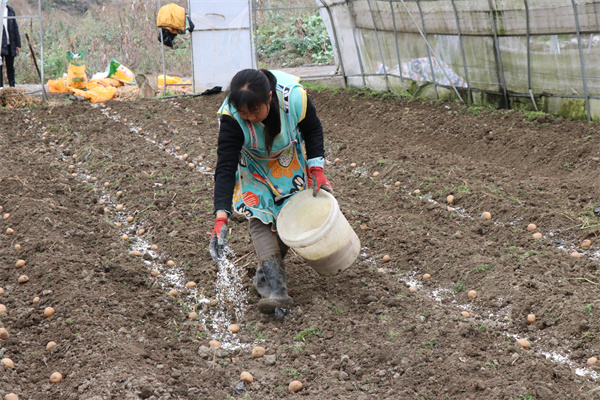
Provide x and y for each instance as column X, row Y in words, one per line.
column 231, row 140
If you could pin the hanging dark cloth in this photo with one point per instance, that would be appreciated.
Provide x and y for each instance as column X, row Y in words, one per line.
column 167, row 37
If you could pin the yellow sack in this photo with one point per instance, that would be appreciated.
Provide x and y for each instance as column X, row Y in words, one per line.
column 57, row 85
column 98, row 90
column 76, row 77
column 171, row 80
column 171, row 17
column 118, row 71
column 112, row 82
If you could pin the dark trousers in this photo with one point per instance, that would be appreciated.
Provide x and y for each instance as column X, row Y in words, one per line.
column 9, row 62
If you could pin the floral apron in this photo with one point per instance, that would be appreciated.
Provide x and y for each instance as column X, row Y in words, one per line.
column 264, row 182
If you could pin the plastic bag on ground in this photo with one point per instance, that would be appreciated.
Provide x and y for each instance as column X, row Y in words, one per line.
column 118, row 71
column 112, row 82
column 98, row 90
column 57, row 85
column 171, row 80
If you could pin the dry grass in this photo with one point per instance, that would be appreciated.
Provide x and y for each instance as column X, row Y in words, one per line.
column 16, row 98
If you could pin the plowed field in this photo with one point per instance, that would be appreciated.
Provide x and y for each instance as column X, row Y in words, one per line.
column 66, row 171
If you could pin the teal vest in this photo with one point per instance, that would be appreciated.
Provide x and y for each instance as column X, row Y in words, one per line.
column 264, row 181
column 292, row 110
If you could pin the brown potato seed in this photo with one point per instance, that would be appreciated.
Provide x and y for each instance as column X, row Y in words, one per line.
column 56, row 377
column 8, row 363
column 258, row 352
column 295, row 386
column 246, row 377
column 524, row 343
column 4, row 334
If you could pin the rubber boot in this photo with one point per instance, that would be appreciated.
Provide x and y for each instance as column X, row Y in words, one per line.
column 260, row 282
column 272, row 275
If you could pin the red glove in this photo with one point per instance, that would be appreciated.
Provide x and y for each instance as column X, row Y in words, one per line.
column 218, row 239
column 320, row 180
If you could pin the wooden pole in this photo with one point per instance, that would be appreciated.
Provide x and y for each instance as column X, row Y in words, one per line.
column 44, row 95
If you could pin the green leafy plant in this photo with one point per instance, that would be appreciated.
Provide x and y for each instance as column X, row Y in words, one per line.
column 482, row 268
column 287, row 41
column 459, row 287
column 304, row 336
column 479, row 326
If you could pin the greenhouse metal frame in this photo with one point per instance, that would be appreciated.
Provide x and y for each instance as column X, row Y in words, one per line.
column 371, row 27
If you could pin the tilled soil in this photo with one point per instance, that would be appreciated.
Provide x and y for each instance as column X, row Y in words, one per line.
column 360, row 335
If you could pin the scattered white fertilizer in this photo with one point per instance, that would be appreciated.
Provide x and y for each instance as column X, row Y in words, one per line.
column 228, row 286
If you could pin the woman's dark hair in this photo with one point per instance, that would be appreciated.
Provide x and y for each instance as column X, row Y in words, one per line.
column 250, row 88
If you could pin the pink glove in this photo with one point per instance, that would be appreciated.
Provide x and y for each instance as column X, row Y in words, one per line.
column 218, row 239
column 320, row 179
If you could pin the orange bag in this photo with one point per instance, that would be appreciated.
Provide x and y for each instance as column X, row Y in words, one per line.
column 57, row 85
column 171, row 80
column 97, row 91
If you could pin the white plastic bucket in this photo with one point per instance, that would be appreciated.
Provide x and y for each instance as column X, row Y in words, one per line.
column 318, row 231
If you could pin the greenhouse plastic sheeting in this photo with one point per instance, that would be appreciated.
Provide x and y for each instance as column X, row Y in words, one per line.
column 222, row 41
column 537, row 54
